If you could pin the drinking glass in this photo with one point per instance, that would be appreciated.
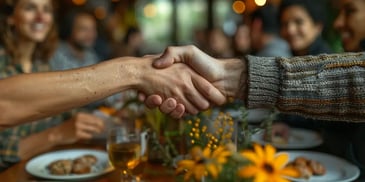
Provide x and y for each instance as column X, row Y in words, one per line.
column 126, row 147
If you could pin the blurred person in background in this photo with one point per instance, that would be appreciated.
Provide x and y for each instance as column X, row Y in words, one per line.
column 241, row 40
column 131, row 45
column 301, row 25
column 264, row 33
column 347, row 140
column 219, row 44
column 265, row 42
column 28, row 39
column 200, row 38
column 79, row 32
column 349, row 23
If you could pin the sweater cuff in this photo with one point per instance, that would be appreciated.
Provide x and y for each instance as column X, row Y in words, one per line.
column 263, row 82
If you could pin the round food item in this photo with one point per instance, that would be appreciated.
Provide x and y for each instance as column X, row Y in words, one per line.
column 307, row 167
column 60, row 167
column 305, row 171
column 83, row 164
column 300, row 161
column 90, row 159
column 317, row 167
column 80, row 168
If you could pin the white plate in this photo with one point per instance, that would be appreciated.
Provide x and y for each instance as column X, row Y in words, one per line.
column 38, row 165
column 337, row 169
column 298, row 139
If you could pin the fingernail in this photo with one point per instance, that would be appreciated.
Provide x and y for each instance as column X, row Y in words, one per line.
column 170, row 103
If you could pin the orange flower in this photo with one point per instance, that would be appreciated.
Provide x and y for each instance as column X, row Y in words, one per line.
column 203, row 162
column 267, row 166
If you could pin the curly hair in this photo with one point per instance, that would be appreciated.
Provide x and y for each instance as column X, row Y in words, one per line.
column 43, row 51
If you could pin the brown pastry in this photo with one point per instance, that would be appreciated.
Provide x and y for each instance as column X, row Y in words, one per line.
column 80, row 165
column 60, row 167
column 306, row 167
column 305, row 171
column 90, row 159
column 83, row 164
column 317, row 167
column 80, row 168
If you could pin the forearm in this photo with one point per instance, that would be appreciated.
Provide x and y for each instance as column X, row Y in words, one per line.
column 37, row 143
column 326, row 87
column 234, row 78
column 29, row 97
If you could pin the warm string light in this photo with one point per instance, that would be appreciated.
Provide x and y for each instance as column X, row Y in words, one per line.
column 260, row 2
column 100, row 13
column 239, row 7
column 79, row 2
column 150, row 10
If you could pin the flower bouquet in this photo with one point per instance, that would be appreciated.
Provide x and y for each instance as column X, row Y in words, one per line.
column 214, row 157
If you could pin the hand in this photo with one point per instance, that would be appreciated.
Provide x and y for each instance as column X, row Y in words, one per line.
column 225, row 75
column 81, row 127
column 183, row 84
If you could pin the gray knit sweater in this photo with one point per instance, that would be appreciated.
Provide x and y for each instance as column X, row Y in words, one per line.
column 329, row 87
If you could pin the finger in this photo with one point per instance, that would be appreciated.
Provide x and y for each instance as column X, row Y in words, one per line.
column 194, row 96
column 178, row 112
column 189, row 107
column 168, row 105
column 167, row 58
column 152, row 55
column 89, row 128
column 208, row 90
column 141, row 96
column 91, row 120
column 153, row 101
column 84, row 135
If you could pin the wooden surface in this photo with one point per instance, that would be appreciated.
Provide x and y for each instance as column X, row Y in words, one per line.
column 152, row 172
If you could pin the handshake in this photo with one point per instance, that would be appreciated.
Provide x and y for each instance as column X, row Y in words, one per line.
column 186, row 80
column 192, row 81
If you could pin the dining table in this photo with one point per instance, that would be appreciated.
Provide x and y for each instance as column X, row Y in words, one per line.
column 153, row 172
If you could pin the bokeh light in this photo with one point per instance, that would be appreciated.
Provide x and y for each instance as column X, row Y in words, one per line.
column 238, row 7
column 260, row 2
column 150, row 10
column 100, row 13
column 79, row 2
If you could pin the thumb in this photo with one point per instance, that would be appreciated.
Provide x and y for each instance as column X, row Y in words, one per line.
column 163, row 61
column 173, row 55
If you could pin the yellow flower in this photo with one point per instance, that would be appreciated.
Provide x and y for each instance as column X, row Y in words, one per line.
column 266, row 167
column 203, row 162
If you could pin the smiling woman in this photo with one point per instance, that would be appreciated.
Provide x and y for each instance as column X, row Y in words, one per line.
column 348, row 23
column 301, row 25
column 27, row 31
column 28, row 39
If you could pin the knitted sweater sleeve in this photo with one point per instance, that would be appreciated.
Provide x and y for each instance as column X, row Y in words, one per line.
column 328, row 87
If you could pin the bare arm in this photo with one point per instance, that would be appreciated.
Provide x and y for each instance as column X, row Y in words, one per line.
column 81, row 127
column 29, row 97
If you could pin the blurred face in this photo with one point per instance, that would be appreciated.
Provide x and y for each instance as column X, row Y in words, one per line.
column 350, row 23
column 218, row 41
column 32, row 19
column 298, row 28
column 136, row 40
column 84, row 31
column 242, row 38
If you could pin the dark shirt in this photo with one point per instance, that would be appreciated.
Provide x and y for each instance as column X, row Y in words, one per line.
column 319, row 46
column 362, row 45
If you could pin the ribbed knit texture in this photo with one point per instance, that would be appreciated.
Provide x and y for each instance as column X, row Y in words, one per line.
column 329, row 87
